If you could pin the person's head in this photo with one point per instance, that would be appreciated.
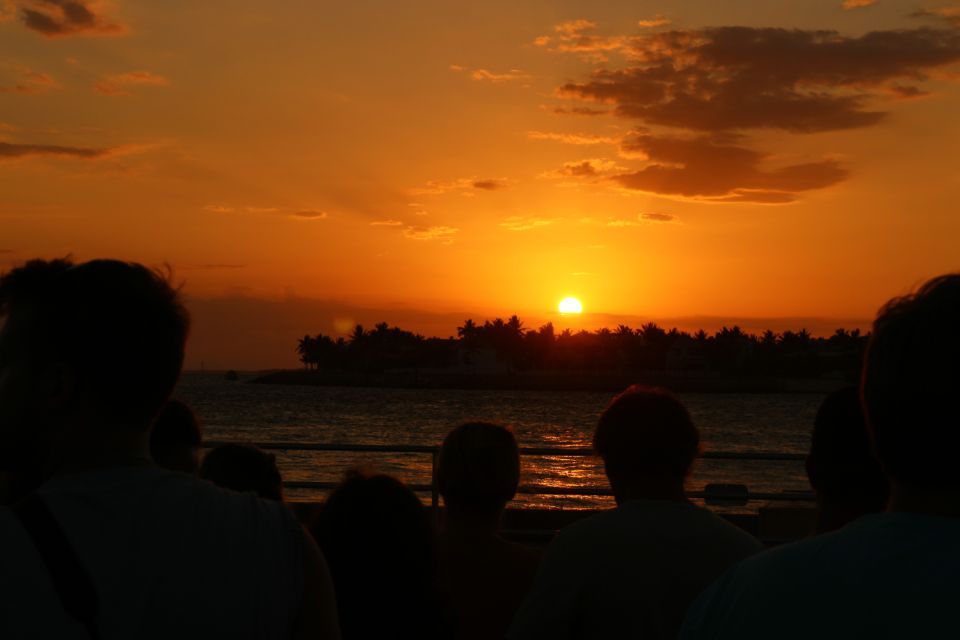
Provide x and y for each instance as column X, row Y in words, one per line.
column 843, row 470
column 377, row 538
column 479, row 468
column 90, row 347
column 242, row 467
column 648, row 443
column 176, row 438
column 911, row 386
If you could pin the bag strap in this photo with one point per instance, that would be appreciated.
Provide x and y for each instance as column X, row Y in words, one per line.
column 71, row 581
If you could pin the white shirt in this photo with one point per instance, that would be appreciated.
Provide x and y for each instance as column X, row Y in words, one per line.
column 887, row 575
column 172, row 556
column 630, row 572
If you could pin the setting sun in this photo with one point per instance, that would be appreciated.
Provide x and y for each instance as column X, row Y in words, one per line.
column 570, row 305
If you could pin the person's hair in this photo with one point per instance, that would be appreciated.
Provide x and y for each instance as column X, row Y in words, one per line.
column 175, row 436
column 911, row 385
column 377, row 538
column 119, row 326
column 479, row 467
column 242, row 467
column 646, row 434
column 841, row 465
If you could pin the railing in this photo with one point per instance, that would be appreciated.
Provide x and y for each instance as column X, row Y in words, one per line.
column 720, row 494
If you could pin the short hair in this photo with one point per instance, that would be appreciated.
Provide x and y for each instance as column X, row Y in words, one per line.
column 479, row 467
column 243, row 468
column 645, row 433
column 121, row 326
column 378, row 540
column 911, row 382
column 841, row 465
column 175, row 431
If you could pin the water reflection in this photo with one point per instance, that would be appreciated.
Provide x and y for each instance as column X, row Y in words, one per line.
column 728, row 422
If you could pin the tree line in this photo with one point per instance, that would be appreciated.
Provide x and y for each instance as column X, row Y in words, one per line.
column 506, row 345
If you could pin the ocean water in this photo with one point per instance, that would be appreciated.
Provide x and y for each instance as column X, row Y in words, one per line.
column 241, row 412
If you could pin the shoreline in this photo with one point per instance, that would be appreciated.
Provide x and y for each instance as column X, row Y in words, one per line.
column 547, row 381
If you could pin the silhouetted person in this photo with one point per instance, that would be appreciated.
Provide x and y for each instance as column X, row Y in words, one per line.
column 176, row 438
column 89, row 354
column 378, row 540
column 241, row 467
column 632, row 571
column 483, row 577
column 843, row 470
column 886, row 575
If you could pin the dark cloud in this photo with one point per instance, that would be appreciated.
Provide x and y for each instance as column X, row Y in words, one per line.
column 31, row 82
column 729, row 78
column 580, row 169
column 488, row 185
column 950, row 15
column 55, row 18
column 438, row 187
column 657, row 217
column 579, row 111
column 119, row 84
column 908, row 92
column 10, row 150
column 718, row 170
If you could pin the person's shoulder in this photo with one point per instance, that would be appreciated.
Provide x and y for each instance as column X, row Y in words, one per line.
column 594, row 526
column 723, row 531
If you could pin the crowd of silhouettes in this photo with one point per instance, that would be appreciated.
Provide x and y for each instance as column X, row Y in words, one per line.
column 116, row 528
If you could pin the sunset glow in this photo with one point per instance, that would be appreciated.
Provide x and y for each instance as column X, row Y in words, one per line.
column 310, row 166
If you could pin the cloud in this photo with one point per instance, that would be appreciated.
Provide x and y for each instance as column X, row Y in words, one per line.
column 639, row 221
column 660, row 20
column 572, row 37
column 586, row 169
column 438, row 187
column 438, row 232
column 218, row 208
column 118, row 84
column 857, row 4
column 950, row 15
column 309, row 214
column 736, row 78
column 490, row 76
column 579, row 111
column 488, row 185
column 617, row 222
column 251, row 209
column 657, row 217
column 386, row 223
column 716, row 170
column 573, row 138
column 11, row 150
column 57, row 18
column 521, row 223
column 573, row 27
column 485, row 75
column 907, row 92
column 31, row 82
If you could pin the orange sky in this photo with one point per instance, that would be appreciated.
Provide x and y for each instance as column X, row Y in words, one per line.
column 422, row 161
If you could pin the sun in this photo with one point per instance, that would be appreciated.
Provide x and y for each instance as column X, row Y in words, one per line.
column 570, row 305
